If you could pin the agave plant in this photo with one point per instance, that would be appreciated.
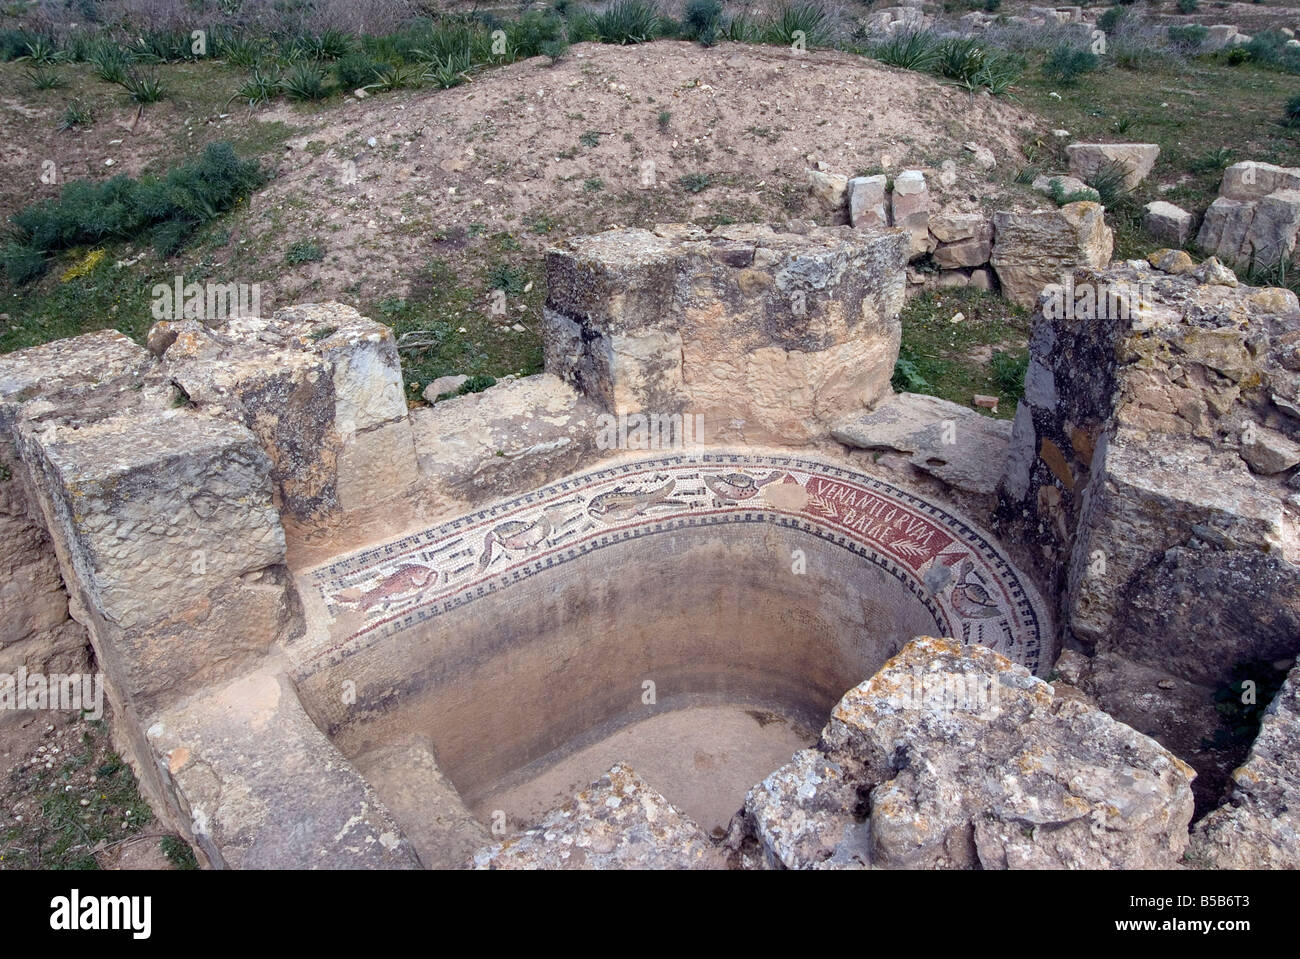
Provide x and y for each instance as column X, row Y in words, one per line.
column 42, row 50
column 448, row 72
column 910, row 50
column 76, row 114
column 305, row 82
column 390, row 76
column 260, row 88
column 43, row 79
column 144, row 86
column 239, row 49
column 627, row 21
column 110, row 61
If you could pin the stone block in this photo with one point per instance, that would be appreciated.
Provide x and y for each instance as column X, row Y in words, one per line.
column 260, row 787
column 1167, row 223
column 766, row 334
column 1135, row 159
column 868, row 202
column 910, row 209
column 1032, row 250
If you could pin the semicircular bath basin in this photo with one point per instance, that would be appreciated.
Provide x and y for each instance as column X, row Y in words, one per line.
column 520, row 634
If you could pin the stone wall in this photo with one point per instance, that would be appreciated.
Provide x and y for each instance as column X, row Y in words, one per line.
column 1152, row 472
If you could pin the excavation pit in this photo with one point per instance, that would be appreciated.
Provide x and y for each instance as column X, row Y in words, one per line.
column 695, row 615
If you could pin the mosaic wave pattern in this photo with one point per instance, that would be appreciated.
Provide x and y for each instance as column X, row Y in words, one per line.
column 963, row 579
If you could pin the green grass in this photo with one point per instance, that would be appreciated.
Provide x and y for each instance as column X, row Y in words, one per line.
column 1203, row 115
column 72, row 822
column 984, row 353
column 428, row 323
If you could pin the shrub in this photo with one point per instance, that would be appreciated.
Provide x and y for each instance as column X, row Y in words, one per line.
column 1111, row 19
column 1188, row 6
column 167, row 209
column 702, row 21
column 533, row 35
column 355, row 70
column 695, row 182
column 14, row 44
column 1064, row 64
column 1188, row 37
column 304, row 251
column 1291, row 115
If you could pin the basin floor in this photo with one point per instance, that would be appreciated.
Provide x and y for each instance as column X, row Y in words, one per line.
column 703, row 759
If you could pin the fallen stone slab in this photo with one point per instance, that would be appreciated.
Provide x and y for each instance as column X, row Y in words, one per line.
column 424, row 802
column 514, row 435
column 1070, row 185
column 618, row 822
column 262, row 788
column 950, row 442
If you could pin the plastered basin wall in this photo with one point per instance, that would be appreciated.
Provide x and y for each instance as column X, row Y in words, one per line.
column 527, row 629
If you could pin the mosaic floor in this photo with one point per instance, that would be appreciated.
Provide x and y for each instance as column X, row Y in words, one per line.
column 948, row 564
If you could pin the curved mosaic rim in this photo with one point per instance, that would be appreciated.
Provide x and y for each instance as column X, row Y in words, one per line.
column 949, row 564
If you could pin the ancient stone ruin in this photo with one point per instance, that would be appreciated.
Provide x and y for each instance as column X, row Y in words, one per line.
column 501, row 631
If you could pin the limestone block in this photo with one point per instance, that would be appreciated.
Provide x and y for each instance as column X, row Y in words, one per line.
column 1032, row 250
column 910, row 209
column 262, row 788
column 1167, row 223
column 1135, row 159
column 1250, row 180
column 1069, row 185
column 868, row 202
column 618, row 822
column 963, row 240
column 831, row 192
column 516, row 435
column 764, row 333
column 997, row 772
column 166, row 532
column 1274, row 230
column 1225, row 227
column 321, row 387
column 952, row 443
column 1141, row 501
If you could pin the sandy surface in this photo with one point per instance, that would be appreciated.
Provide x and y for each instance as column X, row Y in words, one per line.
column 703, row 760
